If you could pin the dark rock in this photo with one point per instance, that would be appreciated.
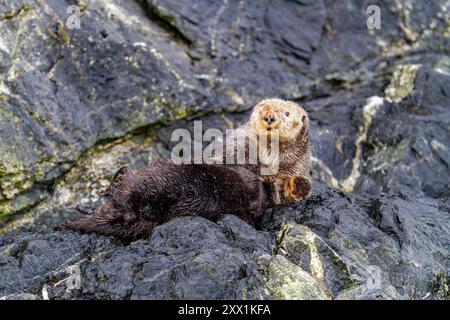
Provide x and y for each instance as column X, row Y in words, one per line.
column 331, row 246
column 406, row 142
column 399, row 236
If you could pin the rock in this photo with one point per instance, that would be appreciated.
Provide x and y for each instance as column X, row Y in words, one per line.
column 185, row 258
column 395, row 239
column 402, row 83
column 332, row 246
column 412, row 155
column 24, row 296
column 287, row 281
column 306, row 249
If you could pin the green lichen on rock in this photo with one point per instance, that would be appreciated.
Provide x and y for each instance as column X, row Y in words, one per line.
column 16, row 179
column 386, row 155
column 175, row 111
column 21, row 203
column 402, row 83
column 441, row 286
column 16, row 187
column 12, row 179
column 13, row 14
column 303, row 247
column 286, row 280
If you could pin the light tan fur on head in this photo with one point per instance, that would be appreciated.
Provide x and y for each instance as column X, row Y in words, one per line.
column 279, row 116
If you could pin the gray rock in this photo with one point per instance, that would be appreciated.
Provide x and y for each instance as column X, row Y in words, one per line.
column 20, row 296
column 331, row 246
column 396, row 239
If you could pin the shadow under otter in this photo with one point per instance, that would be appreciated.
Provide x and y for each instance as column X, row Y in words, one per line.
column 138, row 202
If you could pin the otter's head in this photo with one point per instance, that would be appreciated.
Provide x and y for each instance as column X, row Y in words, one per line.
column 284, row 117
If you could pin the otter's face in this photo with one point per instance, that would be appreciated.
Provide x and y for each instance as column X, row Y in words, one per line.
column 278, row 116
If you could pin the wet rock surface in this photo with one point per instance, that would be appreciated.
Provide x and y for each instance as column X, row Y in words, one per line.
column 332, row 246
column 76, row 104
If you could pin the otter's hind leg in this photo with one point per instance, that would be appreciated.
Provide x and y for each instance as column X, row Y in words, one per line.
column 110, row 225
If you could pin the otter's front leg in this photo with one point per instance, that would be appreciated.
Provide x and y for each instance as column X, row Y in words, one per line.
column 295, row 188
column 275, row 186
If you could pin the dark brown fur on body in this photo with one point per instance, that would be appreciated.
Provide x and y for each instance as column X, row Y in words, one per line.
column 137, row 202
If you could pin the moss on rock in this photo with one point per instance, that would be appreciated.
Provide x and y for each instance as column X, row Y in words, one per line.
column 286, row 280
column 402, row 83
column 303, row 247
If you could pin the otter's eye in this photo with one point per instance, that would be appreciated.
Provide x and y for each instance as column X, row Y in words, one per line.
column 287, row 114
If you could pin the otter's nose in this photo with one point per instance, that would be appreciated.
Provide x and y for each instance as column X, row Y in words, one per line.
column 269, row 119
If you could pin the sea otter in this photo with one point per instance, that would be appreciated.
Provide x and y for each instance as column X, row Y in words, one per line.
column 139, row 201
column 288, row 123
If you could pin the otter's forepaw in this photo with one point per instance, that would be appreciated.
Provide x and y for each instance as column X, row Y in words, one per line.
column 297, row 188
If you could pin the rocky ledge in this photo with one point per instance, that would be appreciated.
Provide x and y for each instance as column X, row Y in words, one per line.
column 332, row 246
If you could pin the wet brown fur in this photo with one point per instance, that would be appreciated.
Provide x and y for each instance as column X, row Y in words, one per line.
column 137, row 202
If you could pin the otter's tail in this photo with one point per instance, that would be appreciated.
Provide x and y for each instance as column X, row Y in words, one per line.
column 109, row 224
